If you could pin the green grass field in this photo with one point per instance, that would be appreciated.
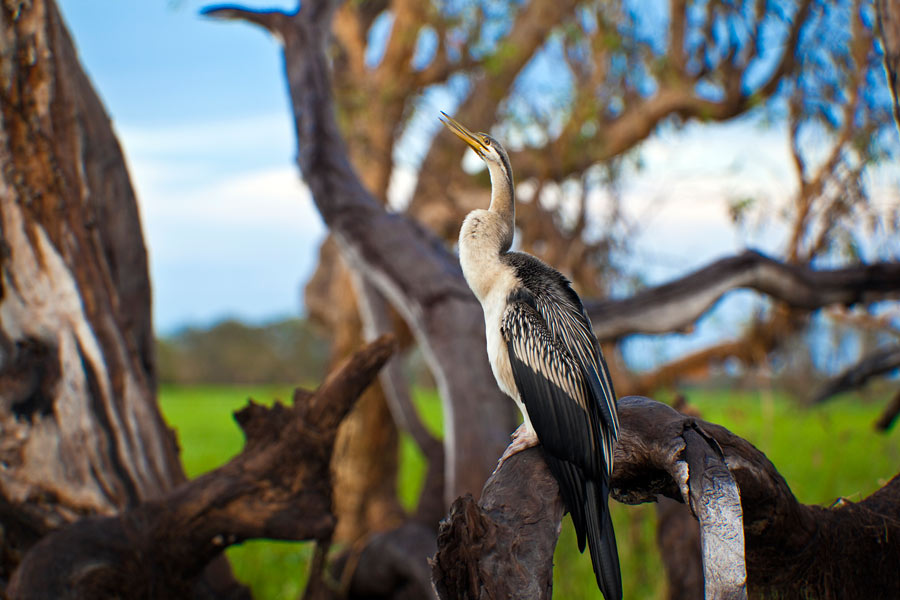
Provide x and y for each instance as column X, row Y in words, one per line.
column 824, row 453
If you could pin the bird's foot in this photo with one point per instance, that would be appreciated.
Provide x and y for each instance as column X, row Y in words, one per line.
column 522, row 439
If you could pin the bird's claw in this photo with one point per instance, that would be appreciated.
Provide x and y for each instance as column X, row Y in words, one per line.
column 522, row 439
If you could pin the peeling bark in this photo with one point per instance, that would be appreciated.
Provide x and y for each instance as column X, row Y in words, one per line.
column 81, row 432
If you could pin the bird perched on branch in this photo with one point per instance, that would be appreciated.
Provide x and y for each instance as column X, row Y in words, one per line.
column 544, row 355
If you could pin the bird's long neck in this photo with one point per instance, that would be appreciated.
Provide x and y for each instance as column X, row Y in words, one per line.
column 503, row 201
column 487, row 234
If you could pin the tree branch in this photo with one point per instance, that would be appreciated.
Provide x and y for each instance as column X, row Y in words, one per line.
column 878, row 363
column 675, row 305
column 278, row 487
column 790, row 548
column 411, row 267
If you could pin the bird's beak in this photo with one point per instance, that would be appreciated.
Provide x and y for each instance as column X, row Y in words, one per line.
column 464, row 134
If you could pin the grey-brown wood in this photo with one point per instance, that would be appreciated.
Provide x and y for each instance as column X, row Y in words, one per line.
column 791, row 550
column 880, row 362
column 502, row 545
column 278, row 487
column 410, row 266
column 676, row 305
column 80, row 428
column 678, row 540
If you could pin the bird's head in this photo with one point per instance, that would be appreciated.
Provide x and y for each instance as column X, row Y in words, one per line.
column 485, row 146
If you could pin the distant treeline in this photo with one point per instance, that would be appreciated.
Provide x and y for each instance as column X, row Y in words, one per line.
column 288, row 351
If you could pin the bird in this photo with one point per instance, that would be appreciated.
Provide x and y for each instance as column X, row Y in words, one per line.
column 545, row 356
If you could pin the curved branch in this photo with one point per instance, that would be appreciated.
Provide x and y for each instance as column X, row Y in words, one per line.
column 411, row 267
column 878, row 363
column 272, row 21
column 505, row 542
column 790, row 548
column 675, row 305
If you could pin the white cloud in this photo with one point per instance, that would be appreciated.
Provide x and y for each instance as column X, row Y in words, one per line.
column 201, row 139
column 231, row 230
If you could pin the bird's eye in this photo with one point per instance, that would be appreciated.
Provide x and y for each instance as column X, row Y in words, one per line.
column 487, row 141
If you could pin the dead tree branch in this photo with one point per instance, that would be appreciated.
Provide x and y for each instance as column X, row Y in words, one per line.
column 279, row 487
column 889, row 415
column 411, row 267
column 878, row 363
column 790, row 549
column 677, row 304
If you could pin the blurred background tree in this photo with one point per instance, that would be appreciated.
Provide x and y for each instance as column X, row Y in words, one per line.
column 574, row 89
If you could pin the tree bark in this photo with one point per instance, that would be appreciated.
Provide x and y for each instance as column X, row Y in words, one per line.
column 366, row 449
column 791, row 550
column 674, row 306
column 888, row 18
column 279, row 487
column 407, row 264
column 81, row 432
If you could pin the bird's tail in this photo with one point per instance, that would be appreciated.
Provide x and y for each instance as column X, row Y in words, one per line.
column 602, row 540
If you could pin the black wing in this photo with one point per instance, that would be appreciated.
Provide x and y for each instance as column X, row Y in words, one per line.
column 564, row 386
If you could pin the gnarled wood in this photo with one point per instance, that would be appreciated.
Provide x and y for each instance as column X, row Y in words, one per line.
column 81, row 432
column 791, row 550
column 278, row 487
column 502, row 546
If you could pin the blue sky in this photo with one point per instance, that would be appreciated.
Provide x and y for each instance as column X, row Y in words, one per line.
column 202, row 113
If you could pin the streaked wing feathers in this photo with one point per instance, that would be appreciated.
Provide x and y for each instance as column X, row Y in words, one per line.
column 555, row 385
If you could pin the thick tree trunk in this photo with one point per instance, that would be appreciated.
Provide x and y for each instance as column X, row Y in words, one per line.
column 81, row 432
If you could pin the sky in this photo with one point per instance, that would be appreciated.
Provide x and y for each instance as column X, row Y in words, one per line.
column 201, row 110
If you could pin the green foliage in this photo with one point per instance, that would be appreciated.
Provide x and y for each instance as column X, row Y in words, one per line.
column 824, row 453
column 234, row 352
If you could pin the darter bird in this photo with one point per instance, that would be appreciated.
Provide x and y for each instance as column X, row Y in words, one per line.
column 545, row 356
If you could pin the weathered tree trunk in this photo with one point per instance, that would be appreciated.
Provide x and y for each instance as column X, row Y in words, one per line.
column 81, row 432
column 278, row 487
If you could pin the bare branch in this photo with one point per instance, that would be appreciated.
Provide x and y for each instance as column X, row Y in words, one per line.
column 675, row 305
column 412, row 269
column 662, row 452
column 272, row 21
column 878, row 363
column 279, row 487
column 889, row 416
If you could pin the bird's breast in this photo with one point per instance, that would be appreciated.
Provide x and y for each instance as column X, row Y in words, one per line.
column 494, row 307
